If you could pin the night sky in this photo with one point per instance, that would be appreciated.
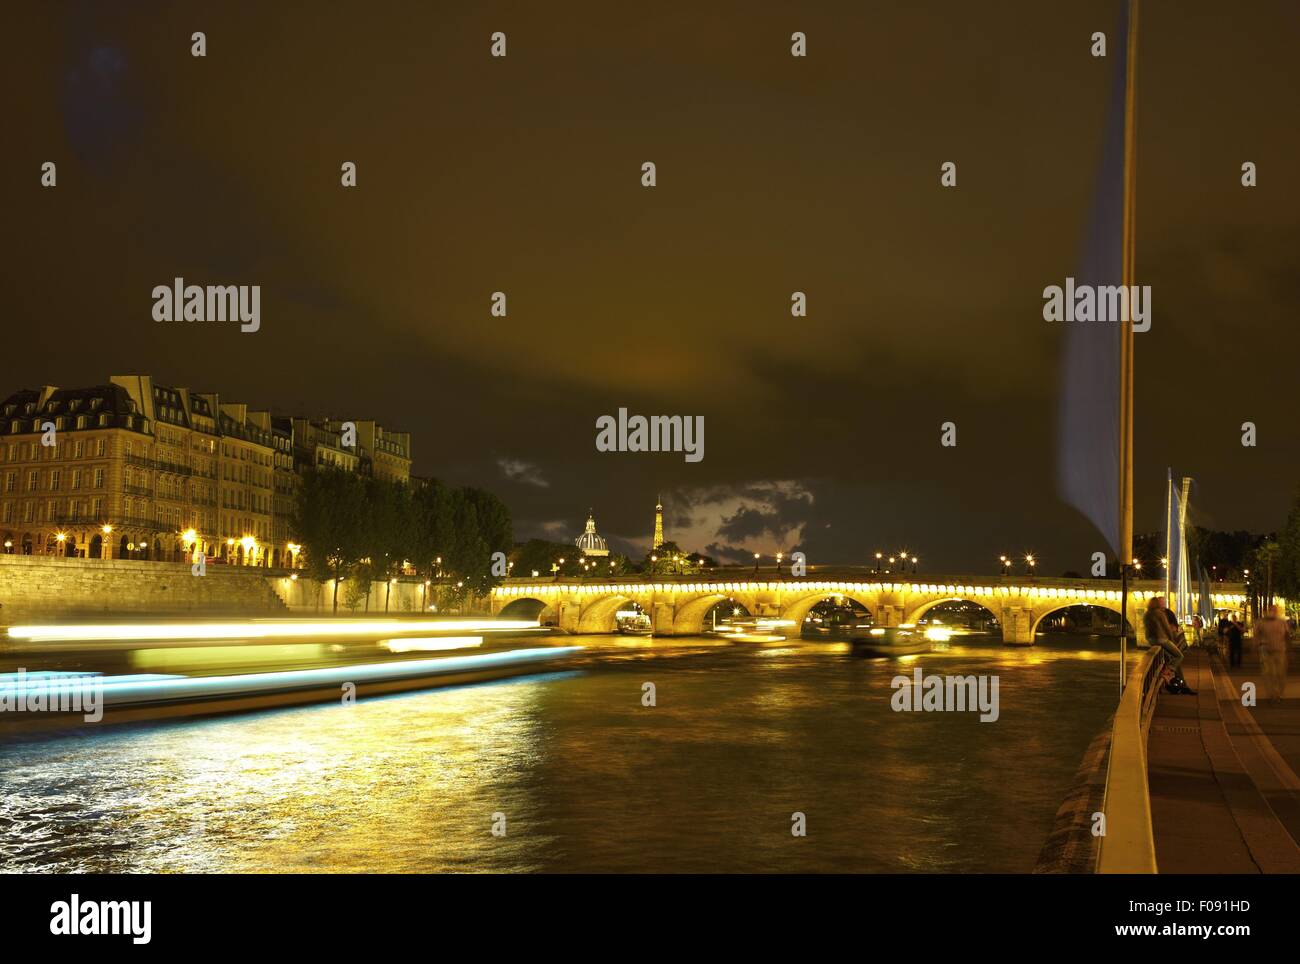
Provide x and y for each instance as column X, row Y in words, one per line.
column 775, row 174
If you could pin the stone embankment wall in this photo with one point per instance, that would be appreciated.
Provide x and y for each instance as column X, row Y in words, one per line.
column 47, row 589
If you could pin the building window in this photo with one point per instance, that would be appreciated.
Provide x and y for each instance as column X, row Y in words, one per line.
column 54, row 480
column 99, row 478
column 31, row 481
column 99, row 444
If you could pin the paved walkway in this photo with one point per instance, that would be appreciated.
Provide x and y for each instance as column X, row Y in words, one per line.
column 1225, row 797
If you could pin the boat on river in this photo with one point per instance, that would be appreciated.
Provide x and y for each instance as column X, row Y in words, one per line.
column 905, row 640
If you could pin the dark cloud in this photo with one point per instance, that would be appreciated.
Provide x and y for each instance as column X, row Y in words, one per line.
column 775, row 175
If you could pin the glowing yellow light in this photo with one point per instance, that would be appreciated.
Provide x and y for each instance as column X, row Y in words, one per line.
column 430, row 644
column 262, row 629
column 108, row 530
column 62, row 537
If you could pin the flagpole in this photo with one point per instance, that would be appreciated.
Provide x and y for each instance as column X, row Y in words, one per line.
column 1169, row 527
column 1126, row 335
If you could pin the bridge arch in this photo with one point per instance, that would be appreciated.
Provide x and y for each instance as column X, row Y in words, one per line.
column 527, row 607
column 1096, row 603
column 598, row 614
column 689, row 617
column 798, row 610
column 917, row 614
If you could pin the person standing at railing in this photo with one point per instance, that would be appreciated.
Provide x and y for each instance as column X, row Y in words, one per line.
column 1273, row 634
column 1157, row 624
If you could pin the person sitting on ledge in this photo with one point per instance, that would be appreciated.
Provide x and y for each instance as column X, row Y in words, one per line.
column 1159, row 633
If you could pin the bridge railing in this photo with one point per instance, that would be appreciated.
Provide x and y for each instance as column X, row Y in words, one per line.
column 854, row 574
column 1128, row 846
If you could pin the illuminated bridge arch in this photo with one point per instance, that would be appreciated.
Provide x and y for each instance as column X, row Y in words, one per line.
column 986, row 603
column 1108, row 604
column 689, row 618
column 798, row 609
column 598, row 615
column 525, row 607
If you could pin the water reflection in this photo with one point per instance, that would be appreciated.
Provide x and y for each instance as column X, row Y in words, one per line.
column 587, row 777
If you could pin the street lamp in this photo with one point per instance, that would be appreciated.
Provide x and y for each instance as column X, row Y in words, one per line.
column 756, row 563
column 779, row 556
column 891, row 564
column 1030, row 562
column 914, row 565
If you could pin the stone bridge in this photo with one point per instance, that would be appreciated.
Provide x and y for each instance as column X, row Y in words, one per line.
column 677, row 605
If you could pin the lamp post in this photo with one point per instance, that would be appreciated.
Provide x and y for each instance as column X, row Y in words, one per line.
column 1030, row 562
column 756, row 563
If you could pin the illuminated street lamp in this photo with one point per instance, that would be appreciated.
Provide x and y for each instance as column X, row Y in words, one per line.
column 914, row 565
column 1030, row 562
column 779, row 556
column 756, row 563
column 891, row 564
column 877, row 563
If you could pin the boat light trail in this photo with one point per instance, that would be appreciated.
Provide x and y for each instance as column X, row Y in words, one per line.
column 430, row 644
column 125, row 690
column 259, row 629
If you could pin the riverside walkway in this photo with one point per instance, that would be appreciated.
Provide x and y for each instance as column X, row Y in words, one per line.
column 1225, row 796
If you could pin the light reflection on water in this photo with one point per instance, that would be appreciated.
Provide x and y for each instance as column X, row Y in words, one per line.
column 588, row 778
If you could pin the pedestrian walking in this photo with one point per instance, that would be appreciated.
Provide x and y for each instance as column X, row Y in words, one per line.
column 1234, row 643
column 1272, row 634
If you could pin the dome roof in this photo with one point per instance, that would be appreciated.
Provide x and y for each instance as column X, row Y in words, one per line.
column 589, row 542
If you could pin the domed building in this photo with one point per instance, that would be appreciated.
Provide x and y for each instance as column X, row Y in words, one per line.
column 589, row 543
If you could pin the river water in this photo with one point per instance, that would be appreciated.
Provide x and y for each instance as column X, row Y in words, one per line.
column 583, row 776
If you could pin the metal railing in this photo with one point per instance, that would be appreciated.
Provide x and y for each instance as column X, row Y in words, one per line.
column 1128, row 846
